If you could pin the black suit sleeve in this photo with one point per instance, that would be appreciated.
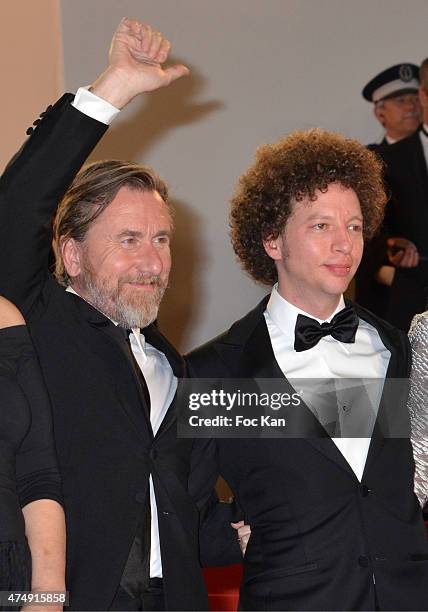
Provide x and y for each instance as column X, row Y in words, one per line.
column 30, row 189
column 218, row 541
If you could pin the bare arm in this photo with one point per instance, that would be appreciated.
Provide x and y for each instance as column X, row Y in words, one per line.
column 9, row 314
column 45, row 531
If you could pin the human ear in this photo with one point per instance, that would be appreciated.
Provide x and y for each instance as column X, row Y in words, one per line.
column 379, row 113
column 274, row 247
column 71, row 256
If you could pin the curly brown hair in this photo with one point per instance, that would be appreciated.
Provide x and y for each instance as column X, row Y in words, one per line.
column 290, row 171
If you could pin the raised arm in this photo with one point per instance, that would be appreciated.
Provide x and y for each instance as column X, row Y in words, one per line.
column 38, row 176
column 137, row 53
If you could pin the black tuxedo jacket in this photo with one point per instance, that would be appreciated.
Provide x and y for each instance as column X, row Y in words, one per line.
column 406, row 215
column 105, row 445
column 407, row 176
column 321, row 540
column 374, row 146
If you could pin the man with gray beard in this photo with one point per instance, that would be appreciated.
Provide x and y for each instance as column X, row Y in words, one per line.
column 111, row 238
column 130, row 485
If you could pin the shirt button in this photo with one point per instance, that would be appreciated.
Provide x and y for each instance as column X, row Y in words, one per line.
column 153, row 454
column 140, row 497
column 363, row 561
column 364, row 490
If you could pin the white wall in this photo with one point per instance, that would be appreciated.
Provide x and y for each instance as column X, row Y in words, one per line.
column 259, row 70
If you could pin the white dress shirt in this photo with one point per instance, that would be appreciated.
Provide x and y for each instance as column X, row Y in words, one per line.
column 424, row 142
column 93, row 106
column 161, row 382
column 162, row 385
column 367, row 358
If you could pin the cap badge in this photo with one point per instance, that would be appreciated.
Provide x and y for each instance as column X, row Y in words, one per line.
column 406, row 73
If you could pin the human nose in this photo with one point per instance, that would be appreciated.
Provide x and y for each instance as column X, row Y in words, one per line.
column 342, row 240
column 149, row 259
column 411, row 103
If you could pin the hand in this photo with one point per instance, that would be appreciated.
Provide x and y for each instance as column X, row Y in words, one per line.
column 244, row 533
column 136, row 56
column 402, row 253
column 385, row 275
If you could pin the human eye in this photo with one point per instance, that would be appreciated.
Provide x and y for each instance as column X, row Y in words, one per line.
column 356, row 227
column 129, row 242
column 162, row 239
column 320, row 226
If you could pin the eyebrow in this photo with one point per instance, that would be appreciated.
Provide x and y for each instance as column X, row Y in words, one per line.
column 136, row 234
column 321, row 216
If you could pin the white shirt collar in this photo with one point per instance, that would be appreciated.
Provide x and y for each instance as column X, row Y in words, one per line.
column 390, row 140
column 284, row 314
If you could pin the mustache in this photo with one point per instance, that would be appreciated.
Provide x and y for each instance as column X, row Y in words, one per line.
column 143, row 279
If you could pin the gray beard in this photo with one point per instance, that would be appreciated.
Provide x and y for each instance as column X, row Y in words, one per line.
column 111, row 303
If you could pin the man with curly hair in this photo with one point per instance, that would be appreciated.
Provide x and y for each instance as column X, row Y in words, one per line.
column 335, row 524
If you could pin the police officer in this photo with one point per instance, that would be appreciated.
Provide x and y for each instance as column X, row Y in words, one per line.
column 394, row 94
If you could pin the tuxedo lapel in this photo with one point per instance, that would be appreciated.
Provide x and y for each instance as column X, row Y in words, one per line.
column 105, row 342
column 153, row 336
column 258, row 359
column 420, row 164
column 415, row 178
column 392, row 417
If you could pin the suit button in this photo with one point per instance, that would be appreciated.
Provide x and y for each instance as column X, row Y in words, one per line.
column 364, row 490
column 29, row 131
column 363, row 561
column 140, row 497
column 153, row 454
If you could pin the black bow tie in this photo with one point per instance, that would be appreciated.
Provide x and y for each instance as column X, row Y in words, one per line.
column 309, row 332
